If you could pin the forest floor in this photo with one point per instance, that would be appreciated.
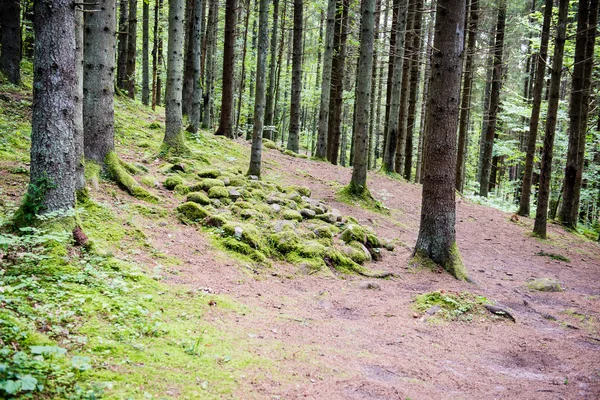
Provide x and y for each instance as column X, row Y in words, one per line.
column 337, row 336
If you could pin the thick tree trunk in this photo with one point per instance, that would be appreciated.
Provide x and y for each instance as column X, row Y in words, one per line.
column 52, row 130
column 196, row 44
column 392, row 124
column 321, row 150
column 131, row 48
column 578, row 110
column 210, row 63
column 270, row 102
column 487, row 92
column 437, row 235
column 358, row 182
column 225, row 124
column 490, row 133
column 294, row 133
column 145, row 49
column 78, row 104
column 524, row 202
column 122, row 51
column 541, row 215
column 465, row 107
column 174, row 139
column 10, row 40
column 98, row 83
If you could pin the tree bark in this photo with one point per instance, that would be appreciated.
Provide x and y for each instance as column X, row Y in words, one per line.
column 78, row 104
column 145, row 49
column 490, row 133
column 437, row 235
column 541, row 215
column 243, row 73
column 392, row 125
column 122, row 51
column 53, row 161
column 10, row 40
column 210, row 67
column 465, row 107
column 155, row 64
column 541, row 59
column 270, row 102
column 225, row 124
column 423, row 124
column 374, row 101
column 294, row 133
column 358, row 181
column 188, row 58
column 196, row 44
column 131, row 48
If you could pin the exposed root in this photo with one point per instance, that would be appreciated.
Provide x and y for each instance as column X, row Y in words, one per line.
column 120, row 176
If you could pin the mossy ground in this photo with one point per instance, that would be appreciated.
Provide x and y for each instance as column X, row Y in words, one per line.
column 453, row 306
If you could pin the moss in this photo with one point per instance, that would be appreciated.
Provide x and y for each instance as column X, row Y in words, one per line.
column 218, row 192
column 302, row 190
column 236, row 181
column 453, row 266
column 361, row 196
column 544, row 285
column 206, row 184
column 247, row 214
column 209, row 173
column 172, row 181
column 312, row 264
column 289, row 153
column 182, row 189
column 198, row 197
column 311, row 249
column 258, row 194
column 292, row 215
column 244, row 204
column 359, row 253
column 354, row 233
column 452, row 306
column 149, row 181
column 177, row 148
column 155, row 125
column 190, row 212
column 215, row 220
column 243, row 248
column 132, row 169
column 244, row 232
column 269, row 144
column 285, row 241
column 124, row 180
column 323, row 232
column 152, row 212
column 343, row 263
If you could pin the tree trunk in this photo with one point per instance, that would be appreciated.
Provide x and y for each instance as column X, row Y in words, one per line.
column 270, row 102
column 541, row 215
column 358, row 182
column 524, row 202
column 578, row 110
column 243, row 74
column 122, row 51
column 145, row 49
column 155, row 65
column 437, row 235
column 10, row 40
column 98, row 83
column 52, row 172
column 131, row 48
column 196, row 44
column 390, row 76
column 374, row 101
column 78, row 104
column 188, row 58
column 392, row 125
column 174, row 139
column 161, row 53
column 321, row 150
column 225, row 124
column 423, row 124
column 210, row 67
column 465, row 107
column 490, row 133
column 260, row 100
column 294, row 133
column 486, row 102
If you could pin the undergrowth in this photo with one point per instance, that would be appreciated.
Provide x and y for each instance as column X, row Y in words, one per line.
column 452, row 306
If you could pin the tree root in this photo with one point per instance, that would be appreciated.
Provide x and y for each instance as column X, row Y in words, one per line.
column 500, row 312
column 120, row 176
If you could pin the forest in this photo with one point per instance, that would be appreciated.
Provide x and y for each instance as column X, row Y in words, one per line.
column 338, row 199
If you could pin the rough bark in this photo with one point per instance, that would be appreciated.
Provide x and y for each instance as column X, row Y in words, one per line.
column 155, row 41
column 391, row 141
column 196, row 44
column 210, row 67
column 145, row 50
column 437, row 235
column 541, row 215
column 363, row 97
column 226, row 122
column 465, row 107
column 374, row 102
column 52, row 183
column 321, row 150
column 423, row 124
column 188, row 58
column 174, row 139
column 486, row 102
column 540, row 73
column 260, row 98
column 131, row 49
column 122, row 50
column 270, row 102
column 78, row 104
column 242, row 88
column 490, row 133
column 294, row 133
column 10, row 40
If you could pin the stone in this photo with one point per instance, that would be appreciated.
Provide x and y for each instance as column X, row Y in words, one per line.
column 198, row 197
column 292, row 215
column 276, row 207
column 234, row 193
column 544, row 285
column 253, row 177
column 173, row 181
column 369, row 286
column 307, row 214
column 218, row 192
column 279, row 226
column 209, row 173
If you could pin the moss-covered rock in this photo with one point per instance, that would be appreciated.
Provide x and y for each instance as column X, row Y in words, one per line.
column 544, row 285
column 258, row 194
column 215, row 221
column 240, row 247
column 243, row 204
column 269, row 144
column 307, row 213
column 366, row 254
column 191, row 212
column 285, row 241
column 354, row 232
column 292, row 215
column 244, row 232
column 247, row 214
column 206, row 184
column 209, row 173
column 236, row 181
column 263, row 208
column 198, row 197
column 311, row 249
column 150, row 181
column 218, row 192
column 323, row 232
column 172, row 181
column 182, row 189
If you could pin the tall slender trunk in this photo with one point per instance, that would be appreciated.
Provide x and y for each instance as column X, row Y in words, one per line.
column 196, row 44
column 188, row 59
column 465, row 107
column 131, row 49
column 211, row 44
column 159, row 97
column 145, row 49
column 391, row 63
column 378, row 132
column 541, row 215
column 78, row 104
column 294, row 133
column 225, row 123
column 243, row 74
column 487, row 92
column 490, row 133
column 10, row 40
column 426, row 77
column 270, row 105
column 315, row 110
column 122, row 51
column 155, row 65
column 540, row 67
column 372, row 111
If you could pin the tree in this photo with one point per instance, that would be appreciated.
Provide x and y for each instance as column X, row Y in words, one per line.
column 492, row 116
column 131, row 49
column 358, row 182
column 156, row 55
column 294, row 134
column 79, row 173
column 260, row 100
column 196, row 44
column 538, row 86
column 437, row 235
column 122, row 51
column 225, row 124
column 145, row 50
column 541, row 215
column 10, row 40
column 270, row 105
column 51, row 179
column 174, row 140
column 210, row 67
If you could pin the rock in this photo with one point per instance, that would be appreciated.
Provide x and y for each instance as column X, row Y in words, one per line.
column 353, row 233
column 327, row 217
column 191, row 212
column 285, row 241
column 209, row 173
column 276, row 207
column 323, row 232
column 198, row 197
column 544, row 285
column 238, row 232
column 215, row 221
column 433, row 310
column 361, row 247
column 206, row 184
column 338, row 215
column 279, row 226
column 253, row 177
column 376, row 253
column 234, row 193
column 389, row 246
column 226, row 181
column 307, row 214
column 291, row 204
column 173, row 181
column 178, row 167
column 292, row 215
column 369, row 286
column 218, row 192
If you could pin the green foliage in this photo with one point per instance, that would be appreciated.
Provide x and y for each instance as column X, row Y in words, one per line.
column 453, row 306
column 33, row 202
column 554, row 256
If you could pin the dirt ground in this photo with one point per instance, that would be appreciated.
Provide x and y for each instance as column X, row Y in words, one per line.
column 337, row 340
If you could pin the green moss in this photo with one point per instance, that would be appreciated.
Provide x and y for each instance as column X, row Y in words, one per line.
column 246, row 233
column 361, row 197
column 152, row 212
column 244, row 204
column 311, row 249
column 285, row 241
column 289, row 153
column 243, row 248
column 269, row 144
column 292, row 215
column 544, row 285
column 149, row 181
column 215, row 220
column 553, row 256
column 125, row 181
column 182, row 189
column 198, row 197
column 155, row 125
column 358, row 253
column 172, row 181
column 206, row 184
column 218, row 192
column 453, row 266
column 354, row 232
column 209, row 173
column 263, row 208
column 323, row 232
column 190, row 212
column 452, row 306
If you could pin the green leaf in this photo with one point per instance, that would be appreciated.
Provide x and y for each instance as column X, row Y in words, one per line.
column 47, row 350
column 81, row 363
column 10, row 387
column 28, row 383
